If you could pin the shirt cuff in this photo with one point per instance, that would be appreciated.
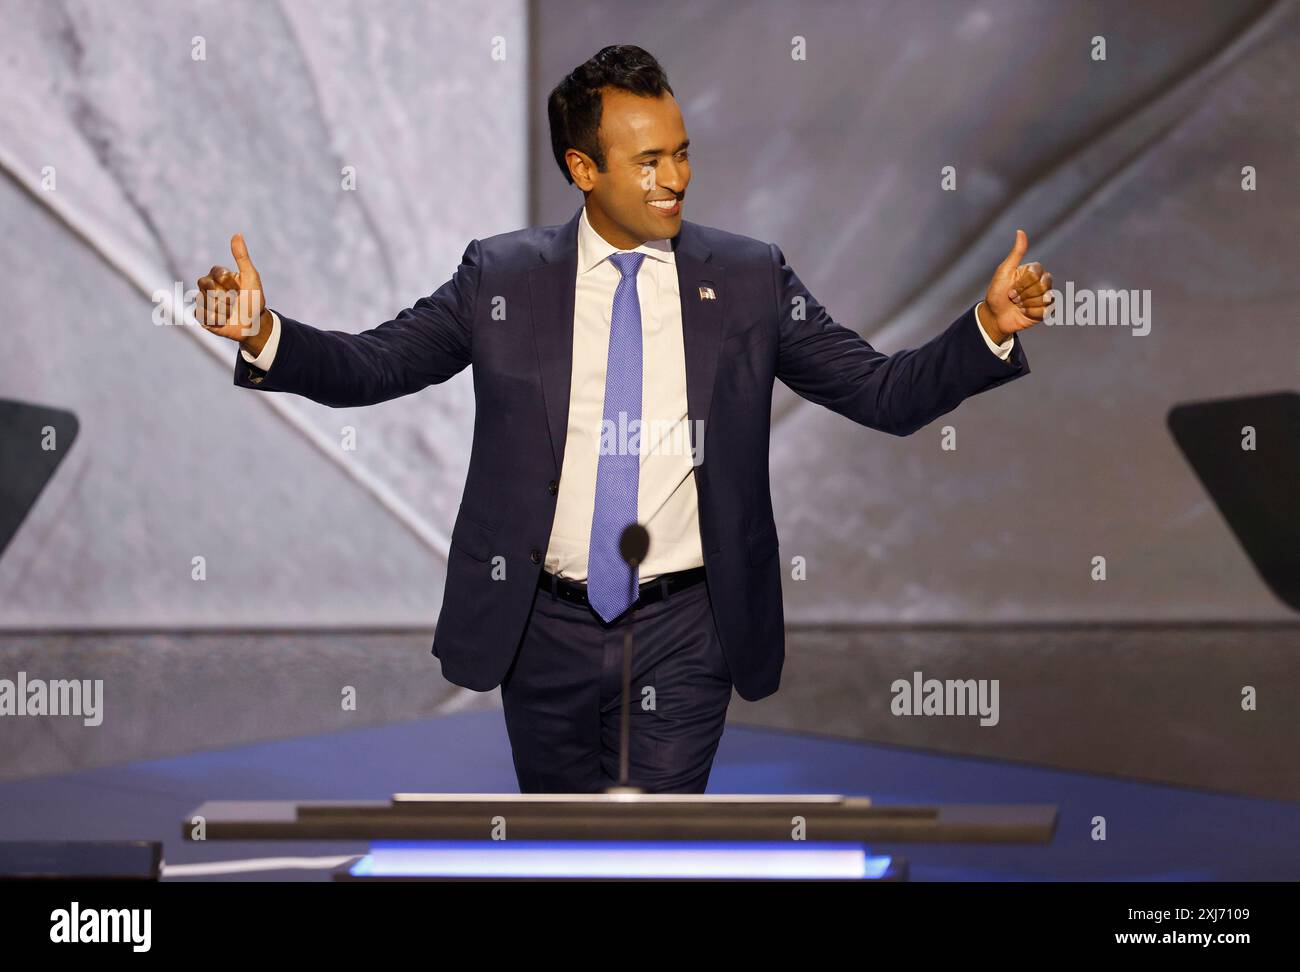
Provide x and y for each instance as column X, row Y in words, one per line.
column 264, row 360
column 1002, row 350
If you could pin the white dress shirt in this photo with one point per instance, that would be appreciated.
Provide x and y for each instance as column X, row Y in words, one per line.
column 667, row 505
column 666, row 501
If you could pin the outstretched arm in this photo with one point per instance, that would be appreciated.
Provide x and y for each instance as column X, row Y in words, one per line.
column 834, row 366
column 425, row 344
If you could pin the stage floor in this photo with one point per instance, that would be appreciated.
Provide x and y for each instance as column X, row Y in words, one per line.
column 1157, row 833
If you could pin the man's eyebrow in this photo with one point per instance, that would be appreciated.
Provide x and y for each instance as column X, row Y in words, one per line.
column 659, row 151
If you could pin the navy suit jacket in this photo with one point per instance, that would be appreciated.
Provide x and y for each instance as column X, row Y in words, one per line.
column 762, row 325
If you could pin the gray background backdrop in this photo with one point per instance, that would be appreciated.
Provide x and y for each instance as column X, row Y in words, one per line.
column 975, row 563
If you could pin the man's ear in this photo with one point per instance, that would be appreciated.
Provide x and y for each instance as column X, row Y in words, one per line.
column 581, row 169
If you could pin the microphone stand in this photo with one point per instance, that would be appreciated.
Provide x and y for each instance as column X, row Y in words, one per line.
column 633, row 554
column 625, row 729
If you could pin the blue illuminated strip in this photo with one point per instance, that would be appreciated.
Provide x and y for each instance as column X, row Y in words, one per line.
column 599, row 859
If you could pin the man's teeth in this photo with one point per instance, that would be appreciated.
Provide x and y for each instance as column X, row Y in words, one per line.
column 663, row 203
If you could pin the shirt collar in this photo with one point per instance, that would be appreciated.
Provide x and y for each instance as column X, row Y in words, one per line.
column 594, row 248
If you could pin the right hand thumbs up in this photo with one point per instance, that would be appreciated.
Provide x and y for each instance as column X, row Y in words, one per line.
column 232, row 304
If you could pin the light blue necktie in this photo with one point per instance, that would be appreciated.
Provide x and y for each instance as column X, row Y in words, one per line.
column 611, row 583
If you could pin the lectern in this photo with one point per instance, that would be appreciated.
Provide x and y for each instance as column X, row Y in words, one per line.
column 447, row 836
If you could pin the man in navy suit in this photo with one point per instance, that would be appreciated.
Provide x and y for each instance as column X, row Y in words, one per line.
column 623, row 367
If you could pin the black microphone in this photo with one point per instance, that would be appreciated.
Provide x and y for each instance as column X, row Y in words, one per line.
column 633, row 545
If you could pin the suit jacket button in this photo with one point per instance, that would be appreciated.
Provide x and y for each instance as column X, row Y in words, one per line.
column 535, row 556
column 552, row 487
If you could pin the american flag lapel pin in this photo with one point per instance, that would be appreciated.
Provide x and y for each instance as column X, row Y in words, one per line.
column 706, row 293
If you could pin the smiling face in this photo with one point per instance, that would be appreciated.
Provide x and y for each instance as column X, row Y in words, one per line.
column 639, row 195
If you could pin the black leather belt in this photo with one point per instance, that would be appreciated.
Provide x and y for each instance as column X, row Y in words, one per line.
column 665, row 585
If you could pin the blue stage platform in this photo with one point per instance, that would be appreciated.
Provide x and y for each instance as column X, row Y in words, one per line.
column 1153, row 832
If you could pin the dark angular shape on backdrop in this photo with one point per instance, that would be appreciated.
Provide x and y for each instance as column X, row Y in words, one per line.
column 25, row 467
column 1258, row 492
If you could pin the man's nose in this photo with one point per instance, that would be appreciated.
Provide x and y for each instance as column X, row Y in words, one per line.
column 672, row 177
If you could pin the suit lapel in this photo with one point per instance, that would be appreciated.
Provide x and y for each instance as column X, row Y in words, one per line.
column 551, row 294
column 697, row 277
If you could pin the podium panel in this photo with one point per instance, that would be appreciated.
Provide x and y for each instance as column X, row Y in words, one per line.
column 476, row 836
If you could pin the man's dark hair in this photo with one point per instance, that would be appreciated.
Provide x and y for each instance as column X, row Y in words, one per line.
column 574, row 106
